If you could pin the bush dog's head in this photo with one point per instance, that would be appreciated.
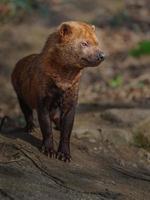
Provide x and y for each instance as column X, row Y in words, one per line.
column 78, row 45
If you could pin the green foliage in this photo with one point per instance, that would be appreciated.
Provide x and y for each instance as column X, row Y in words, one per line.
column 26, row 5
column 140, row 84
column 119, row 19
column 18, row 4
column 11, row 9
column 116, row 82
column 141, row 141
column 143, row 48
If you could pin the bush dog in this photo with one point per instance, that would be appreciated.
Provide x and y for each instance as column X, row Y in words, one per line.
column 49, row 81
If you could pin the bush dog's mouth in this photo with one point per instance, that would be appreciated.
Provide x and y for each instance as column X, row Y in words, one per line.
column 92, row 63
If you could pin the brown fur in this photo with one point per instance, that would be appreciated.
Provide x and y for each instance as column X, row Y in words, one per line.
column 53, row 75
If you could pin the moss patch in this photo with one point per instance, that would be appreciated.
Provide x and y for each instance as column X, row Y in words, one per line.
column 143, row 48
column 141, row 141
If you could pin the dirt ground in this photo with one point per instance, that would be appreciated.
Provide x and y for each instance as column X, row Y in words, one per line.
column 110, row 142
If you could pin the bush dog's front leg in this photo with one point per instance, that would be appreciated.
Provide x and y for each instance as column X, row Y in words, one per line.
column 46, row 129
column 66, row 124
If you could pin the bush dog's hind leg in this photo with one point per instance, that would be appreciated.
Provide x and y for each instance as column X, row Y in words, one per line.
column 46, row 128
column 66, row 124
column 28, row 114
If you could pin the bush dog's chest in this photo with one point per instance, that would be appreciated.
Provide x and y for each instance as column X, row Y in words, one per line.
column 62, row 88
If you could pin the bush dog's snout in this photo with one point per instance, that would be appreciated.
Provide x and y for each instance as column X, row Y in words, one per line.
column 101, row 56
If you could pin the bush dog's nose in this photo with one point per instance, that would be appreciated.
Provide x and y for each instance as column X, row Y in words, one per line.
column 100, row 56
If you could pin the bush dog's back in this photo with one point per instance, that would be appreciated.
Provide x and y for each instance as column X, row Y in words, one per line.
column 49, row 82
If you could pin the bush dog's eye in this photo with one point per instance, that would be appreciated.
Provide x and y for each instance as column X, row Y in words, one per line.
column 84, row 44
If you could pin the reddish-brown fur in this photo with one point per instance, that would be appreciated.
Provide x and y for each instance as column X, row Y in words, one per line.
column 55, row 73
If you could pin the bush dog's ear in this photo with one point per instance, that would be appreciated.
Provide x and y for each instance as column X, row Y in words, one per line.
column 93, row 28
column 65, row 30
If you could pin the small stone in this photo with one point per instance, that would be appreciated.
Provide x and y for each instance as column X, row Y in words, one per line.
column 92, row 140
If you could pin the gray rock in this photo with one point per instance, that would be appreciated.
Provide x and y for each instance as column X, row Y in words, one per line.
column 125, row 116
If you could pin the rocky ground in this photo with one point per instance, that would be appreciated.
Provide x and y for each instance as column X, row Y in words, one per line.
column 111, row 136
column 106, row 162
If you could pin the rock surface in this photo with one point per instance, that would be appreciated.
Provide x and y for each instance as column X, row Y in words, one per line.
column 104, row 164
